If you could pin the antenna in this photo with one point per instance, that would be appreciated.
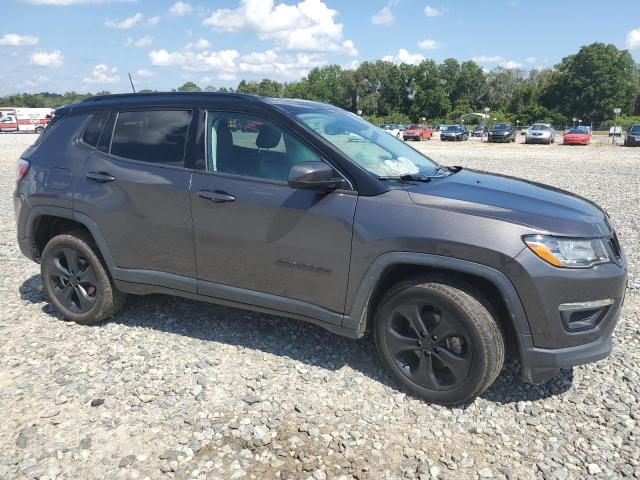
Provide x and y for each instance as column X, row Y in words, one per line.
column 131, row 80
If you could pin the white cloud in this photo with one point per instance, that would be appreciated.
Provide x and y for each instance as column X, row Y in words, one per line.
column 180, row 9
column 352, row 65
column 404, row 56
column 188, row 59
column 15, row 40
column 125, row 24
column 201, row 44
column 510, row 65
column 144, row 73
column 64, row 3
column 280, row 65
column 530, row 60
column 383, row 17
column 42, row 58
column 139, row 43
column 153, row 21
column 428, row 44
column 308, row 25
column 431, row 12
column 102, row 75
column 488, row 59
column 206, row 80
column 227, row 77
column 37, row 81
column 633, row 39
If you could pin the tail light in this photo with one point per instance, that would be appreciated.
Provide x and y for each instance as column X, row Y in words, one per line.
column 22, row 168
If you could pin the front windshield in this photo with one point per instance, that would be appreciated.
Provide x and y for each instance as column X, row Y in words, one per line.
column 540, row 127
column 415, row 127
column 501, row 126
column 635, row 129
column 375, row 151
column 453, row 128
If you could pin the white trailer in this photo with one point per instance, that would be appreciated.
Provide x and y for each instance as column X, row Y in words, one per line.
column 24, row 119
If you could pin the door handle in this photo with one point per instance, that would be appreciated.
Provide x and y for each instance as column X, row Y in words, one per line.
column 100, row 177
column 217, row 196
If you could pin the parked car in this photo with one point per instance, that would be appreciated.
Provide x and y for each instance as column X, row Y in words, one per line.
column 615, row 131
column 446, row 267
column 417, row 133
column 479, row 131
column 455, row 133
column 632, row 138
column 524, row 130
column 393, row 130
column 540, row 133
column 441, row 128
column 576, row 136
column 502, row 132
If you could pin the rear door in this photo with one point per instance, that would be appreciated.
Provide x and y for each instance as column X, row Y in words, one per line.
column 258, row 240
column 135, row 187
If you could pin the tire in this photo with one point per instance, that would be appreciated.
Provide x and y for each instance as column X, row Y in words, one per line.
column 39, row 130
column 470, row 339
column 76, row 281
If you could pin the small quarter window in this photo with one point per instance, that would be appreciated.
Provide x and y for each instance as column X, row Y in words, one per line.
column 92, row 132
column 154, row 136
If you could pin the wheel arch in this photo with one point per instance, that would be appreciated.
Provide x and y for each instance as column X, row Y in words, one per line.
column 46, row 221
column 391, row 268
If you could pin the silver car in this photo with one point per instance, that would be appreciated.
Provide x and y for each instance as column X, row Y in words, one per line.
column 540, row 133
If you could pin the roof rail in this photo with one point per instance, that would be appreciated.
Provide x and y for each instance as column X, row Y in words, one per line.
column 111, row 96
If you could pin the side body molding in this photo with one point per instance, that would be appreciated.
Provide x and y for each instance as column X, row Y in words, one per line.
column 357, row 317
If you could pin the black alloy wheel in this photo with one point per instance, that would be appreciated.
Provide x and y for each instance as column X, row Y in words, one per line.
column 439, row 339
column 76, row 281
column 73, row 280
column 429, row 344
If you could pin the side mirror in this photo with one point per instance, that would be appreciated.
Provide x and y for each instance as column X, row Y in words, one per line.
column 313, row 176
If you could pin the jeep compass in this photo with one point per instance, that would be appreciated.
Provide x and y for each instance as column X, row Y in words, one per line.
column 446, row 267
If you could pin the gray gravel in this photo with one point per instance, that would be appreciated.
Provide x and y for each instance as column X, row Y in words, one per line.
column 172, row 388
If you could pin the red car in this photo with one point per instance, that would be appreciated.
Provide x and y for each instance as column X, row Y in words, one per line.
column 576, row 136
column 417, row 133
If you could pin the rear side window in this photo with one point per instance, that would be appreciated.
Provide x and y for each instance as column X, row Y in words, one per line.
column 92, row 132
column 154, row 136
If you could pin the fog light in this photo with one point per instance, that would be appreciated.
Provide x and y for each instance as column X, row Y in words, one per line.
column 584, row 315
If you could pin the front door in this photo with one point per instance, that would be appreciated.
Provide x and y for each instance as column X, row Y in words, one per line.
column 135, row 188
column 259, row 241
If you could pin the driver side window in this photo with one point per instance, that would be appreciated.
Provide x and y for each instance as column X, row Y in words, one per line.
column 250, row 146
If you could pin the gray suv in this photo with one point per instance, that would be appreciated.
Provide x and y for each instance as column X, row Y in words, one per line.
column 266, row 204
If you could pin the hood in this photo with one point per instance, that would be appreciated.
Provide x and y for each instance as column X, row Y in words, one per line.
column 543, row 208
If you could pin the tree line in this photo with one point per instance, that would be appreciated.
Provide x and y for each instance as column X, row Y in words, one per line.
column 586, row 85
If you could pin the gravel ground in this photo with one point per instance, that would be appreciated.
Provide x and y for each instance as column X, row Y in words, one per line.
column 172, row 388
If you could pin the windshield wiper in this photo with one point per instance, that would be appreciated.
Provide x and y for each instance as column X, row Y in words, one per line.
column 407, row 177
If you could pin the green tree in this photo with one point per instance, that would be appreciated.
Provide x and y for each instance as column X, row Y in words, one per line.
column 189, row 87
column 592, row 82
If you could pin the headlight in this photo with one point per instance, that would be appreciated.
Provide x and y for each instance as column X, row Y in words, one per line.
column 568, row 252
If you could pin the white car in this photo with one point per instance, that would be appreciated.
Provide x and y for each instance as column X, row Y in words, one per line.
column 395, row 130
column 540, row 133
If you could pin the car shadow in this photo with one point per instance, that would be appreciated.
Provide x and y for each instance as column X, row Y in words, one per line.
column 297, row 340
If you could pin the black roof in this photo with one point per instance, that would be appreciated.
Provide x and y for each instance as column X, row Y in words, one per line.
column 129, row 99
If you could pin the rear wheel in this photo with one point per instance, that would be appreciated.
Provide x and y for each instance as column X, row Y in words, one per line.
column 39, row 130
column 76, row 281
column 439, row 340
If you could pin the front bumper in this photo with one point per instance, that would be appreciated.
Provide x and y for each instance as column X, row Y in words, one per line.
column 537, row 139
column 542, row 288
column 499, row 138
column 411, row 137
column 632, row 141
column 450, row 138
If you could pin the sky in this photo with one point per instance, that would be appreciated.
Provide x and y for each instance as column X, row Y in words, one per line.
column 91, row 45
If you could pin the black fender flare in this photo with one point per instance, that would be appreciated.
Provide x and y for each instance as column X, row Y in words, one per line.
column 356, row 319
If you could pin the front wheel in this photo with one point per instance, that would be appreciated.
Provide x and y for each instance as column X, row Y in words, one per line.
column 439, row 340
column 76, row 281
